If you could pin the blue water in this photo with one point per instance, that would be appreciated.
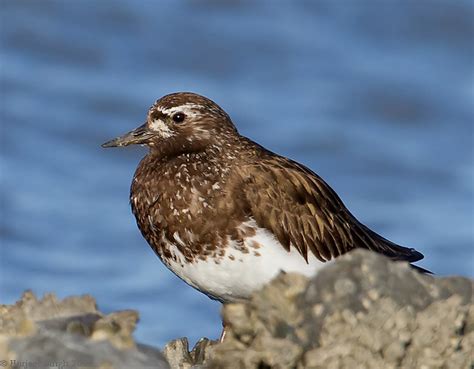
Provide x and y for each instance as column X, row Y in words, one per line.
column 376, row 96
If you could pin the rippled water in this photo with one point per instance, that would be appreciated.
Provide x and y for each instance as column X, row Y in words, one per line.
column 376, row 96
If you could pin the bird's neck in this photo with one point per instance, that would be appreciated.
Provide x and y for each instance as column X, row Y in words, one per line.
column 212, row 163
column 217, row 149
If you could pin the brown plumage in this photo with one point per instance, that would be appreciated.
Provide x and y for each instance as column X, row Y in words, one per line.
column 204, row 192
column 301, row 209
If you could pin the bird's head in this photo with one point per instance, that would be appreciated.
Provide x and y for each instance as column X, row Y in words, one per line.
column 179, row 123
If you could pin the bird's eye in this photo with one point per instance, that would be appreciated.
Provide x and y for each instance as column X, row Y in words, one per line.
column 179, row 117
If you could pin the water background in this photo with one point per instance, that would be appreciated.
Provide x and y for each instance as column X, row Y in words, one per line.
column 375, row 96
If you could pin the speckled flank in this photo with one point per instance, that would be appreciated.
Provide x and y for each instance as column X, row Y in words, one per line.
column 237, row 271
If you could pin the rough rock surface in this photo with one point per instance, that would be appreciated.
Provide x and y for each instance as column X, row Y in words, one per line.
column 362, row 311
column 71, row 333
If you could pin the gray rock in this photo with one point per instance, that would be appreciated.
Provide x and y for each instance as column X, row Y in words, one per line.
column 178, row 355
column 362, row 311
column 71, row 333
column 77, row 351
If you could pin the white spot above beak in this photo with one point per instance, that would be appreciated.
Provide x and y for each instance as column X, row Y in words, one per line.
column 161, row 128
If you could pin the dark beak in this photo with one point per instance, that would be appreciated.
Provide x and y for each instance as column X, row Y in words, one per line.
column 138, row 136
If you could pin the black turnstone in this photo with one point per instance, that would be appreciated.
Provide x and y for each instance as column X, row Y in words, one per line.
column 225, row 214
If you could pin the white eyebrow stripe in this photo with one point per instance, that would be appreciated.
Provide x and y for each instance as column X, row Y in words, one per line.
column 188, row 109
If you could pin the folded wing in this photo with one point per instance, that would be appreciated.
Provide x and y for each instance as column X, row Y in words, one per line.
column 304, row 212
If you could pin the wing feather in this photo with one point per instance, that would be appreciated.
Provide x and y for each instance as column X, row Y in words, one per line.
column 302, row 211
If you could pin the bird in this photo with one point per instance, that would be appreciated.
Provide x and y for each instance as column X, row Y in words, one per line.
column 227, row 215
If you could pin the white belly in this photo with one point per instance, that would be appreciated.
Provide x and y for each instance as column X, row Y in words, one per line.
column 238, row 274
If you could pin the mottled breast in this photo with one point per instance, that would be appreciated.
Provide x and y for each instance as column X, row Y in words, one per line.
column 187, row 201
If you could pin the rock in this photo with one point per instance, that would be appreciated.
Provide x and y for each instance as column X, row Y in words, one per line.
column 362, row 311
column 72, row 332
column 178, row 355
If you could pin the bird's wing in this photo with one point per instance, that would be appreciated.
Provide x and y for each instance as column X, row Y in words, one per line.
column 301, row 210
